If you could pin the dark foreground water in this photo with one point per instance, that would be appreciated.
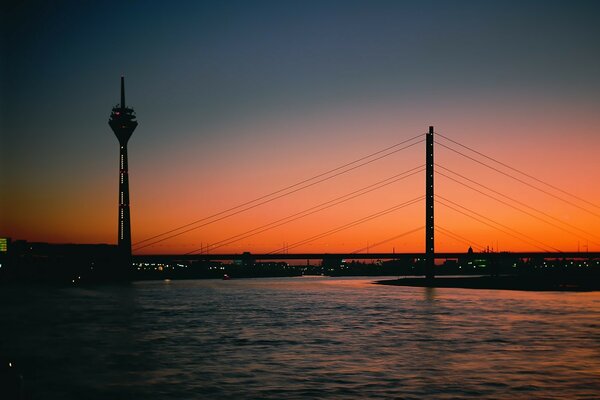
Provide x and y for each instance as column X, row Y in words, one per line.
column 300, row 338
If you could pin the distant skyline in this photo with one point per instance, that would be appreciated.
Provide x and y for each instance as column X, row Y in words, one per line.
column 238, row 99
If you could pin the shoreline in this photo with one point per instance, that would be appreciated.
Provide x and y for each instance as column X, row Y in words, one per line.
column 537, row 284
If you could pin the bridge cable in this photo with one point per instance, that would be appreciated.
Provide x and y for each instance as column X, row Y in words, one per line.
column 517, row 208
column 312, row 210
column 494, row 227
column 248, row 203
column 456, row 236
column 522, row 181
column 451, row 236
column 518, row 202
column 259, row 204
column 388, row 240
column 529, row 238
column 350, row 224
column 519, row 171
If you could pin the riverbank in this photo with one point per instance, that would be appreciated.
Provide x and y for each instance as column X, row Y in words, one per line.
column 528, row 283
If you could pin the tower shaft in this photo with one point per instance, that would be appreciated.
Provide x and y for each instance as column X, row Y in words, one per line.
column 124, row 234
column 429, row 221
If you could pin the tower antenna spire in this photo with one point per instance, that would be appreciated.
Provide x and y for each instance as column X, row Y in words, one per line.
column 122, row 91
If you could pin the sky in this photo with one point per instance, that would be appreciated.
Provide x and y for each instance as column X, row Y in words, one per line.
column 236, row 100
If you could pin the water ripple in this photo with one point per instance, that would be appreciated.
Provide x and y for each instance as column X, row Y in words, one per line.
column 299, row 338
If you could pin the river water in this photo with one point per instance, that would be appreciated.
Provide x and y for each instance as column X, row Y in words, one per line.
column 296, row 338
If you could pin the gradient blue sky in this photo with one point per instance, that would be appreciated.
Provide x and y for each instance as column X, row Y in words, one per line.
column 228, row 92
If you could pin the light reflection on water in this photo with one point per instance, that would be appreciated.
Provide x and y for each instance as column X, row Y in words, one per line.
column 311, row 337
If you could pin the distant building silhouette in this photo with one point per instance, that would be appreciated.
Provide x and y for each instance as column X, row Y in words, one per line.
column 123, row 123
column 60, row 263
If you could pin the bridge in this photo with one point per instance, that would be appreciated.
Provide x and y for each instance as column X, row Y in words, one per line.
column 165, row 258
column 431, row 169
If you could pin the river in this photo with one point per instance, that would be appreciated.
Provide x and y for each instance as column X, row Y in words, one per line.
column 297, row 338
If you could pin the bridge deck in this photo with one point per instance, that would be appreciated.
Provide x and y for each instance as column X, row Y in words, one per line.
column 358, row 256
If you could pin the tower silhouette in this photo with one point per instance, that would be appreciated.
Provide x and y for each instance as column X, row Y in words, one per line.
column 123, row 123
column 429, row 201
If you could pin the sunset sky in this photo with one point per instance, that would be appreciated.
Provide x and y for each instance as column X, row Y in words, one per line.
column 238, row 99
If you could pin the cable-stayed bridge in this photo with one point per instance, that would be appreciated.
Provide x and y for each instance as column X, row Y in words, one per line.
column 431, row 169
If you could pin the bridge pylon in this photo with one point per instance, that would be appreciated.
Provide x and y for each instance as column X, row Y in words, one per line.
column 429, row 220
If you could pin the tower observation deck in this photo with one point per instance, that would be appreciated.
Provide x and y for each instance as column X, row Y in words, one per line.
column 122, row 122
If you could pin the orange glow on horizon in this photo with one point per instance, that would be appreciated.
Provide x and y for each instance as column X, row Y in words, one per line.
column 175, row 187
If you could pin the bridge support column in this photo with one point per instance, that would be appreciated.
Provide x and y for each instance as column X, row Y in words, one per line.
column 429, row 221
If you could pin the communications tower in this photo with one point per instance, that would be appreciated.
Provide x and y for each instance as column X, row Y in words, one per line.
column 122, row 122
